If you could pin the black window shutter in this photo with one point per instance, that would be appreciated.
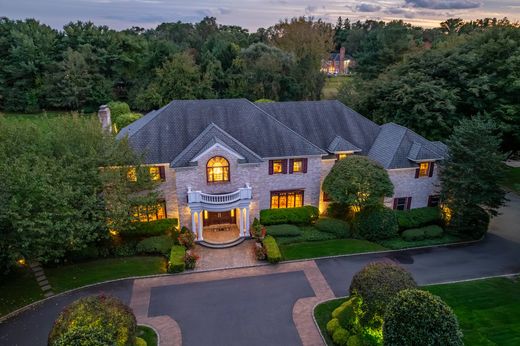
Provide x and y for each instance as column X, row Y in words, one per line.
column 284, row 166
column 395, row 203
column 291, row 166
column 430, row 173
column 304, row 165
column 162, row 173
column 270, row 167
column 417, row 173
column 408, row 203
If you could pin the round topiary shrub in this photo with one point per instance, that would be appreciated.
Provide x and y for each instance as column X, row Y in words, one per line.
column 375, row 224
column 346, row 313
column 332, row 325
column 340, row 337
column 376, row 285
column 416, row 317
column 94, row 320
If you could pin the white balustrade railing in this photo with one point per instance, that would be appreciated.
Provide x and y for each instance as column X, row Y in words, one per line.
column 201, row 197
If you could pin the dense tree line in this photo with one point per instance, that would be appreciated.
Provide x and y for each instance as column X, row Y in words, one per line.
column 84, row 65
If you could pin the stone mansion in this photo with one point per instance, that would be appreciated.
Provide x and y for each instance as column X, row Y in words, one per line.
column 222, row 161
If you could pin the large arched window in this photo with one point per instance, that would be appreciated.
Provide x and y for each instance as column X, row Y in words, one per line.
column 217, row 170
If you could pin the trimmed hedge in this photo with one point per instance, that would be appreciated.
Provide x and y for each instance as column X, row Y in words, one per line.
column 273, row 252
column 284, row 230
column 416, row 317
column 375, row 224
column 419, row 217
column 176, row 263
column 341, row 337
column 339, row 228
column 428, row 232
column 152, row 228
column 156, row 245
column 140, row 342
column 297, row 216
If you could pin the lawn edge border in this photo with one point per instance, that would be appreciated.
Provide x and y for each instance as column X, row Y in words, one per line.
column 433, row 284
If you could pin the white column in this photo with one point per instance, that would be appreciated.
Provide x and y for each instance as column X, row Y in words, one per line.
column 247, row 223
column 193, row 222
column 200, row 225
column 241, row 223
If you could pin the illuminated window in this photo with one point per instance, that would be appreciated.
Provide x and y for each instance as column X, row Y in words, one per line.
column 286, row 199
column 277, row 166
column 147, row 213
column 155, row 173
column 131, row 174
column 424, row 168
column 217, row 170
column 342, row 156
column 297, row 166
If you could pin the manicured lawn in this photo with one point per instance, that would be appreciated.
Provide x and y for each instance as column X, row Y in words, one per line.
column 148, row 335
column 76, row 275
column 512, row 179
column 17, row 290
column 488, row 310
column 400, row 243
column 327, row 248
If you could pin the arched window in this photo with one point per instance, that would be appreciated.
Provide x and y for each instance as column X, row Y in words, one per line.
column 217, row 170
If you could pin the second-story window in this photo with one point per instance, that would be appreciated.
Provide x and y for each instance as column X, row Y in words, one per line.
column 298, row 166
column 277, row 166
column 217, row 170
column 425, row 170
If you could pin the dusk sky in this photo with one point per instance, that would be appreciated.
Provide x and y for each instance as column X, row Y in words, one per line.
column 251, row 14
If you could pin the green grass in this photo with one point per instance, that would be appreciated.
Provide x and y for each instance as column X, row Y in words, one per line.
column 332, row 85
column 400, row 243
column 18, row 289
column 512, row 179
column 147, row 334
column 307, row 234
column 327, row 248
column 76, row 275
column 488, row 310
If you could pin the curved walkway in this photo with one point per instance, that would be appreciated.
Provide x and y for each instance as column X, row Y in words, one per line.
column 272, row 304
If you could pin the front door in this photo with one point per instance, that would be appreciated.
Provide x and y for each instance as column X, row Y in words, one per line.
column 220, row 217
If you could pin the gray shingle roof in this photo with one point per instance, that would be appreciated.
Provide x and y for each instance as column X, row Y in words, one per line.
column 340, row 144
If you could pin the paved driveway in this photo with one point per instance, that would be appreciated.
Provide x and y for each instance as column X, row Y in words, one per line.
column 256, row 309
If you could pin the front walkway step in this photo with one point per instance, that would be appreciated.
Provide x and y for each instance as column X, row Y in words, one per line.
column 41, row 279
column 48, row 294
column 222, row 245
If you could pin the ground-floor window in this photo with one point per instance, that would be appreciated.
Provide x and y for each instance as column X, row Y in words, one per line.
column 402, row 203
column 147, row 213
column 434, row 200
column 286, row 199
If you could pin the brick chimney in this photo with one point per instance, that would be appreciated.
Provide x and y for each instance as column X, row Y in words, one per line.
column 342, row 60
column 104, row 118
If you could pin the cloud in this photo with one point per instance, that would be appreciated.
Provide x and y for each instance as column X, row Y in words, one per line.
column 445, row 4
column 367, row 8
column 310, row 9
column 224, row 11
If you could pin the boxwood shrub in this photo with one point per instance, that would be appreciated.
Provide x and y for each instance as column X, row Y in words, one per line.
column 149, row 229
column 161, row 245
column 416, row 317
column 415, row 218
column 284, row 230
column 428, row 232
column 339, row 228
column 273, row 252
column 375, row 224
column 176, row 263
column 297, row 216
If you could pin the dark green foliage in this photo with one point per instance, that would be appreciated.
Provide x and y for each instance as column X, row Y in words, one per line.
column 125, row 248
column 126, row 119
column 118, row 108
column 298, row 216
column 358, row 181
column 339, row 228
column 283, row 230
column 428, row 232
column 417, row 317
column 375, row 224
column 87, row 253
column 94, row 319
column 152, row 228
column 377, row 284
column 347, row 312
column 156, row 245
column 418, row 217
column 273, row 252
column 176, row 263
column 471, row 176
column 308, row 234
column 340, row 337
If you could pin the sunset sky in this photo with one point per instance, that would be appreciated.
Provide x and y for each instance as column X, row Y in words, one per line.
column 251, row 14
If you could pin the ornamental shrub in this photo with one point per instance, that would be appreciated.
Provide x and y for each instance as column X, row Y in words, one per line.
column 140, row 342
column 472, row 222
column 152, row 228
column 340, row 337
column 283, row 230
column 187, row 239
column 419, row 217
column 92, row 320
column 176, row 263
column 297, row 216
column 347, row 312
column 339, row 228
column 376, row 285
column 416, row 317
column 156, row 245
column 375, row 224
column 126, row 119
column 117, row 109
column 332, row 325
column 190, row 260
column 273, row 252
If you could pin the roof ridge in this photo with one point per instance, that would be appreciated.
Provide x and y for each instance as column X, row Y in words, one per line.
column 287, row 127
